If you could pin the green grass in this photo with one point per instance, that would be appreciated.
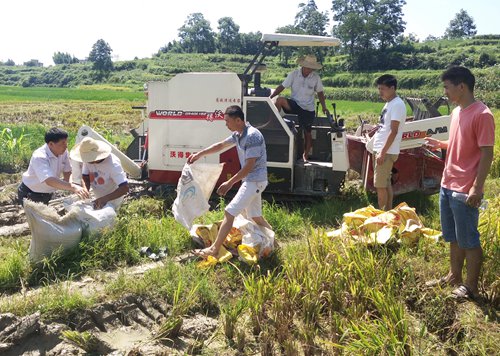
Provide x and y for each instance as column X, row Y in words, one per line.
column 315, row 293
column 340, row 296
column 54, row 301
column 19, row 94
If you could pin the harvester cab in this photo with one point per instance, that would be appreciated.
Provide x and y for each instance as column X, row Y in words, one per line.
column 185, row 114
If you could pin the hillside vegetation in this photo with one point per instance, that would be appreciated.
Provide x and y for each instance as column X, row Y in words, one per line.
column 416, row 65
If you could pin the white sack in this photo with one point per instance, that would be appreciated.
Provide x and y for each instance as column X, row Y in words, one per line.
column 193, row 191
column 49, row 231
column 254, row 235
column 92, row 220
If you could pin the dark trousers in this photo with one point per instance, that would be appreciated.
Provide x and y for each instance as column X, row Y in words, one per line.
column 23, row 192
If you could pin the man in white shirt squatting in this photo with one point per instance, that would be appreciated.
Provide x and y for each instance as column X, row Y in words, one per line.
column 101, row 171
column 47, row 164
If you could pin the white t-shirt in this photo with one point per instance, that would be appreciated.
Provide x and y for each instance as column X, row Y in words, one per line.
column 303, row 88
column 394, row 110
column 105, row 177
column 43, row 165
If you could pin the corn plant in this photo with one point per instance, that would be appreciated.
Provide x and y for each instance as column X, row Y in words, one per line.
column 11, row 145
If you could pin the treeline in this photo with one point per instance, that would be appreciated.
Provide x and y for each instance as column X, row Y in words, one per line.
column 371, row 33
column 372, row 41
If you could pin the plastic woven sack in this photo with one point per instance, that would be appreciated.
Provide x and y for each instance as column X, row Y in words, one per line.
column 193, row 191
column 49, row 231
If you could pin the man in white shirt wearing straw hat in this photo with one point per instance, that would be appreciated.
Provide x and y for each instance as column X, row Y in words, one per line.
column 304, row 82
column 101, row 171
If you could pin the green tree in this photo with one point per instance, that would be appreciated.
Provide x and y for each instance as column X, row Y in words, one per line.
column 64, row 58
column 100, row 56
column 250, row 42
column 10, row 62
column 431, row 38
column 228, row 38
column 461, row 26
column 388, row 24
column 172, row 47
column 288, row 52
column 196, row 35
column 367, row 28
column 310, row 20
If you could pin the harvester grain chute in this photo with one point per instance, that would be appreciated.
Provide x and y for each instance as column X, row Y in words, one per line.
column 185, row 114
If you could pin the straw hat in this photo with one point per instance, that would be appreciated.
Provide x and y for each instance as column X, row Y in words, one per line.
column 90, row 150
column 309, row 61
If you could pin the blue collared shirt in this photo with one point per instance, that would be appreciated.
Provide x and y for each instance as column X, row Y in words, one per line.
column 251, row 144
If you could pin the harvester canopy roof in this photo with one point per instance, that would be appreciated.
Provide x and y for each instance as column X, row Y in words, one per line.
column 284, row 39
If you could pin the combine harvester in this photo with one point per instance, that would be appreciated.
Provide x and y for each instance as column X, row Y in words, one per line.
column 185, row 114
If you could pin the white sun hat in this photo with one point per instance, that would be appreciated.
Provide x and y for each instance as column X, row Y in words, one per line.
column 309, row 61
column 90, row 150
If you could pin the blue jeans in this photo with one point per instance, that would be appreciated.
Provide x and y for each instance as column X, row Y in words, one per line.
column 459, row 221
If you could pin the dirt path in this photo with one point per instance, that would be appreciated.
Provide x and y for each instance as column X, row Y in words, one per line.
column 126, row 326
column 121, row 327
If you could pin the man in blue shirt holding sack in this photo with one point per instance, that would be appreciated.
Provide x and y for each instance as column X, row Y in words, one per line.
column 253, row 159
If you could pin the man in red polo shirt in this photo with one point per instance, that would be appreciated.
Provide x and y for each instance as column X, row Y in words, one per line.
column 468, row 160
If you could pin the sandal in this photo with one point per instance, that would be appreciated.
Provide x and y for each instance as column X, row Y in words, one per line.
column 201, row 253
column 462, row 292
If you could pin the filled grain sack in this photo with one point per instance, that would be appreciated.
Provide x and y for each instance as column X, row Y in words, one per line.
column 49, row 231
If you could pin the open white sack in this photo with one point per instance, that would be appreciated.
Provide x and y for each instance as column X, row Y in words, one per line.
column 259, row 237
column 93, row 220
column 193, row 191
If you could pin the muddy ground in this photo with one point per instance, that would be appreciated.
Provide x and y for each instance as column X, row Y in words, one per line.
column 121, row 327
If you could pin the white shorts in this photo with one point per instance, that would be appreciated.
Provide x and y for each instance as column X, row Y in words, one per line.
column 248, row 199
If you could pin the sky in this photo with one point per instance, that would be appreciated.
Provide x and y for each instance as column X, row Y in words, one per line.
column 36, row 29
